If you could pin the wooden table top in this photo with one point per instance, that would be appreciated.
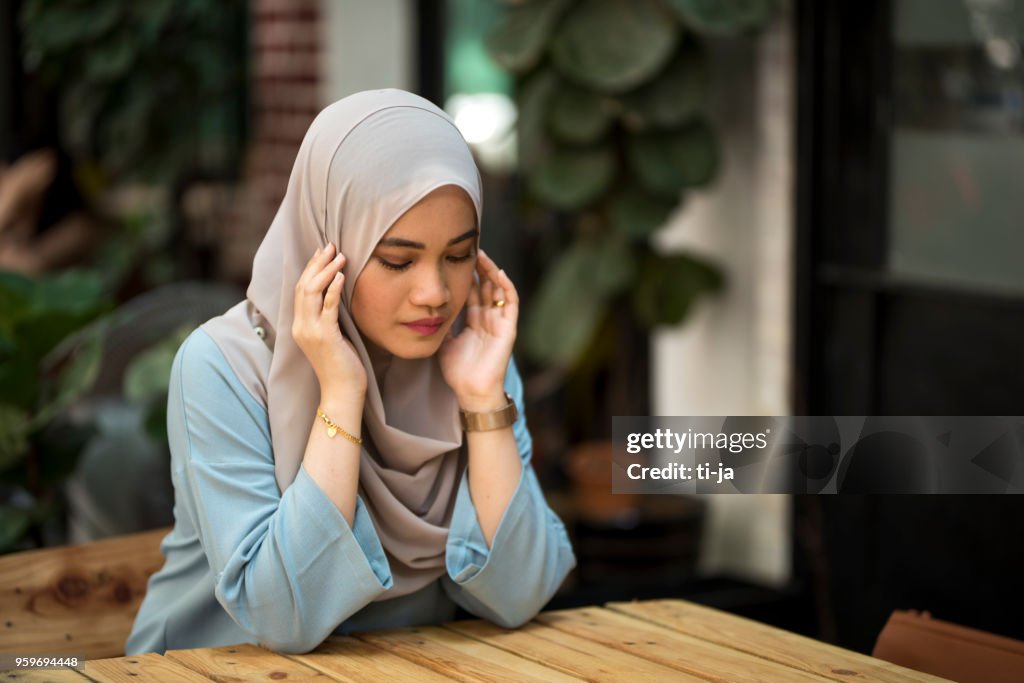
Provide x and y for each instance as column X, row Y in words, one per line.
column 658, row 640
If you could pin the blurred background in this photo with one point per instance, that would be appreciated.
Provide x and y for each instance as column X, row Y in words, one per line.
column 766, row 207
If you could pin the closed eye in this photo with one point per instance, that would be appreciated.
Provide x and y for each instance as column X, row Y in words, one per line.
column 402, row 266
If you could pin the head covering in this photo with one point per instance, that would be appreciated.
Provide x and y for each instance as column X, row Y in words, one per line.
column 365, row 161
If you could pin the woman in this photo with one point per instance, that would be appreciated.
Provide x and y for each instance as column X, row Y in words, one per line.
column 323, row 478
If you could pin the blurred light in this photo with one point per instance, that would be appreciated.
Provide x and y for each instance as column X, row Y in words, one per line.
column 487, row 121
column 483, row 116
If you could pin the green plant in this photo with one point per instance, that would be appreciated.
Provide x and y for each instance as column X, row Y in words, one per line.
column 38, row 381
column 613, row 132
column 146, row 87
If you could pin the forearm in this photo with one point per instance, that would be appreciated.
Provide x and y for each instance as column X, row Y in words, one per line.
column 495, row 467
column 333, row 463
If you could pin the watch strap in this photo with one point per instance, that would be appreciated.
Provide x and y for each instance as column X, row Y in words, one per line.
column 484, row 422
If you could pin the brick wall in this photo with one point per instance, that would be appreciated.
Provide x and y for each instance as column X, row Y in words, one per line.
column 285, row 86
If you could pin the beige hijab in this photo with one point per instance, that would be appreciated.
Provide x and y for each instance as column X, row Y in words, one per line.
column 365, row 161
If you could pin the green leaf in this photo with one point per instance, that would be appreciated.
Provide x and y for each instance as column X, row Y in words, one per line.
column 636, row 214
column 669, row 284
column 614, row 265
column 580, row 116
column 570, row 178
column 148, row 375
column 566, row 309
column 14, row 522
column 519, row 40
column 15, row 295
column 80, row 375
column 666, row 162
column 534, row 98
column 111, row 59
column 614, row 46
column 723, row 17
column 675, row 95
column 71, row 291
column 15, row 428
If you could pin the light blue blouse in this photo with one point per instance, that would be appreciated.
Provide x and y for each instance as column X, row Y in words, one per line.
column 245, row 563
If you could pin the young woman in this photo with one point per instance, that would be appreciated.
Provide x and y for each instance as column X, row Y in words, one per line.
column 348, row 445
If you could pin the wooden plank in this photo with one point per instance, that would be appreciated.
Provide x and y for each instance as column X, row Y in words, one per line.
column 568, row 653
column 349, row 659
column 244, row 663
column 136, row 669
column 463, row 659
column 768, row 642
column 44, row 676
column 672, row 649
column 77, row 599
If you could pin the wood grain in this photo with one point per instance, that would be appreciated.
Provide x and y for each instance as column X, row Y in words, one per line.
column 44, row 676
column 672, row 649
column 460, row 658
column 768, row 642
column 78, row 599
column 569, row 653
column 349, row 659
column 140, row 669
column 244, row 663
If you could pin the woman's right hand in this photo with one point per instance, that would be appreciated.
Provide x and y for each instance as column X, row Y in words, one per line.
column 317, row 330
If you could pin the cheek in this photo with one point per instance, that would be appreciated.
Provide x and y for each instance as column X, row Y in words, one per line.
column 461, row 284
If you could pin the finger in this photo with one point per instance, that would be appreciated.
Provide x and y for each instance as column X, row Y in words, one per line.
column 325, row 276
column 473, row 306
column 486, row 292
column 499, row 295
column 487, row 264
column 505, row 282
column 333, row 297
column 317, row 261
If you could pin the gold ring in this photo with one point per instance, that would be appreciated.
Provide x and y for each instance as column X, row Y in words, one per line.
column 499, row 303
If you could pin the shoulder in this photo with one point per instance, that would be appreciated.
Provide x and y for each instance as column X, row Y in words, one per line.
column 200, row 365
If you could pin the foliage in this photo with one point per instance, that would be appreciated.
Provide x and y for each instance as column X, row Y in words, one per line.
column 38, row 381
column 142, row 83
column 612, row 128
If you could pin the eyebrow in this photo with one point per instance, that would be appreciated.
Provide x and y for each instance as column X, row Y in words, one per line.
column 400, row 242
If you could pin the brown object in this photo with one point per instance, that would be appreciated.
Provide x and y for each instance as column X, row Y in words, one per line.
column 662, row 640
column 589, row 466
column 78, row 599
column 942, row 648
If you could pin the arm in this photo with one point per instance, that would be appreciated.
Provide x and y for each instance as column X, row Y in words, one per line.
column 510, row 576
column 288, row 568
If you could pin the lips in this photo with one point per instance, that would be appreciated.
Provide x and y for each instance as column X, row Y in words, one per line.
column 425, row 325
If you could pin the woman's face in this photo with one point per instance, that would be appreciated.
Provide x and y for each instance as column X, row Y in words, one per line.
column 417, row 279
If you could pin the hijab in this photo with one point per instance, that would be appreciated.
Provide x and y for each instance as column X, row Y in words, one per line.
column 365, row 161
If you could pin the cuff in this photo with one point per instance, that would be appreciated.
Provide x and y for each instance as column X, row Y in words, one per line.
column 467, row 555
column 361, row 535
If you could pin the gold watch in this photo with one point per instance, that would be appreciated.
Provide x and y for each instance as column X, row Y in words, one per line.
column 483, row 422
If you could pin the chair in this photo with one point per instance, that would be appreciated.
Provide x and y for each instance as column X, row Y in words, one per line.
column 78, row 599
column 941, row 648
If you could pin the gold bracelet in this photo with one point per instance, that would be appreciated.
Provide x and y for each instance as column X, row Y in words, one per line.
column 333, row 429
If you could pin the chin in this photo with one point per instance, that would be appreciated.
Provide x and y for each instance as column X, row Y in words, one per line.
column 424, row 349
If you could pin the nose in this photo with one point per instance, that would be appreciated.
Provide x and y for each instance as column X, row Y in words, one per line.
column 430, row 289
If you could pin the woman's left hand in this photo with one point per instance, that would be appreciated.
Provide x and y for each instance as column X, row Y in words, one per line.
column 474, row 362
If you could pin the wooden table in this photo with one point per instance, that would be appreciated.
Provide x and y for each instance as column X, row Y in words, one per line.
column 657, row 640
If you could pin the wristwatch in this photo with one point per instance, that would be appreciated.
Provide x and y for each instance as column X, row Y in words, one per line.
column 483, row 422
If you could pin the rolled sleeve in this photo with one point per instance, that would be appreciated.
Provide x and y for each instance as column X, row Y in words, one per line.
column 530, row 554
column 288, row 568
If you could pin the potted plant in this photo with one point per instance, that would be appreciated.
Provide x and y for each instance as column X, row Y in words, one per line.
column 612, row 135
